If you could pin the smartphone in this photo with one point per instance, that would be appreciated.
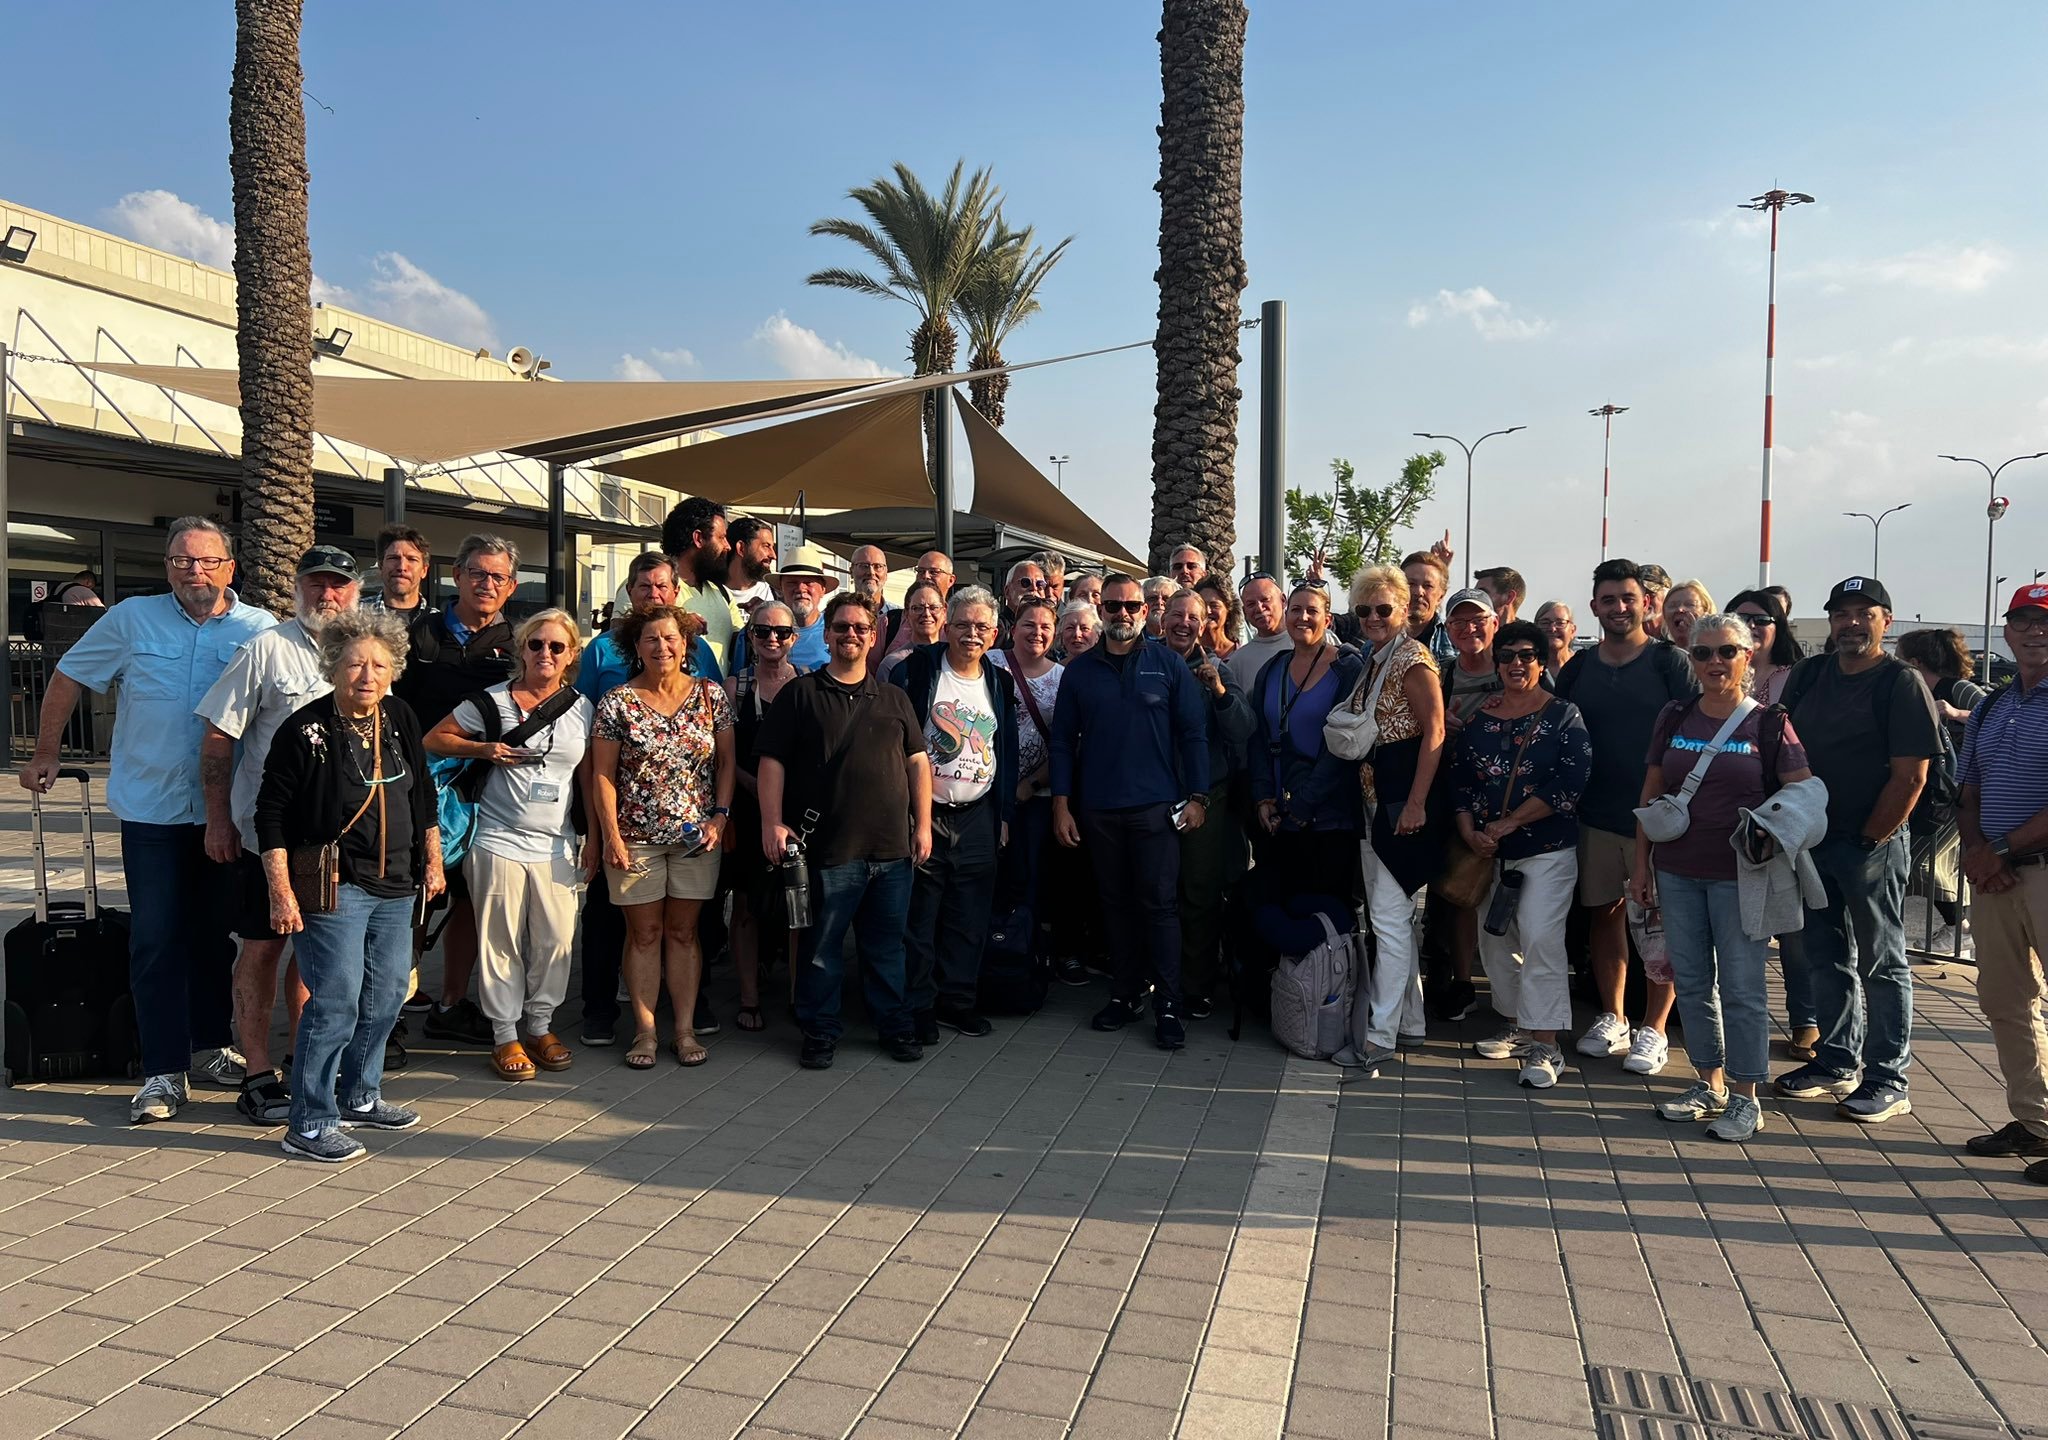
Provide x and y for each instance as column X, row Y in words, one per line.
column 1178, row 815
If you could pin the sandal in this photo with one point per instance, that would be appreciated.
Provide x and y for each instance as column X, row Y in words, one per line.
column 510, row 1062
column 548, row 1052
column 688, row 1051
column 749, row 1018
column 640, row 1054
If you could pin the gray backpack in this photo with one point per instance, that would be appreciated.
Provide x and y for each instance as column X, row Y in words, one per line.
column 1312, row 994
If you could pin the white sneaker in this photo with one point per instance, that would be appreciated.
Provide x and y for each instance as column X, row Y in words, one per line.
column 1541, row 1067
column 1701, row 1102
column 1743, row 1119
column 160, row 1098
column 1606, row 1036
column 1648, row 1054
column 1510, row 1044
column 223, row 1069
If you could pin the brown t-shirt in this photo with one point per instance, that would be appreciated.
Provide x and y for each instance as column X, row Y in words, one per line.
column 1734, row 781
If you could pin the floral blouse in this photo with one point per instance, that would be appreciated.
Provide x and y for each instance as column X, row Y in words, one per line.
column 668, row 767
column 1397, row 717
column 1554, row 767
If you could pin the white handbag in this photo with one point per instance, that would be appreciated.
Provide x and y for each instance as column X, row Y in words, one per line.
column 1668, row 816
column 1350, row 732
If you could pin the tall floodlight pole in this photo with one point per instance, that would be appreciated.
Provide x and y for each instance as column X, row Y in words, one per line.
column 1468, row 449
column 1773, row 201
column 1606, row 413
column 1876, row 527
column 1059, row 465
column 1994, row 509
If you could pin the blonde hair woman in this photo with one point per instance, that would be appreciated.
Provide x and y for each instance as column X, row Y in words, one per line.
column 1684, row 603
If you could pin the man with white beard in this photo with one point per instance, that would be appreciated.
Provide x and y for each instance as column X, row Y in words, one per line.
column 867, row 574
column 269, row 679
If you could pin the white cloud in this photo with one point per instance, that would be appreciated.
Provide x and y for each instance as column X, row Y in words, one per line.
column 655, row 365
column 632, row 367
column 1999, row 348
column 806, row 355
column 401, row 292
column 1960, row 270
column 160, row 219
column 1490, row 315
column 1735, row 221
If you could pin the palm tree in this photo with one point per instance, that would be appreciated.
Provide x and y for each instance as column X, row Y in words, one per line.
column 1201, row 271
column 924, row 246
column 273, row 298
column 1001, row 293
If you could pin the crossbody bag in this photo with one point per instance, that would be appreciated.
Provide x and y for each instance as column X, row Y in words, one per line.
column 1668, row 816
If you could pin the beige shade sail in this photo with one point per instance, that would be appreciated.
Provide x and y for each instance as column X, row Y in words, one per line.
column 1009, row 488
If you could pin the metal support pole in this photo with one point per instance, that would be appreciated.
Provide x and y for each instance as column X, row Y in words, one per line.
column 1272, row 436
column 394, row 495
column 6, row 432
column 942, row 471
column 558, row 538
column 1763, row 554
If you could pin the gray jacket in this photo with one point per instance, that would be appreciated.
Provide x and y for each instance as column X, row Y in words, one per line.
column 1775, row 896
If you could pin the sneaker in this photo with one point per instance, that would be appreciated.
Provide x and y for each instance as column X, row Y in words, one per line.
column 380, row 1115
column 2010, row 1139
column 599, row 1034
column 1609, row 1035
column 925, row 1026
column 1742, row 1119
column 420, row 1003
column 1810, row 1082
column 332, row 1147
column 706, row 1021
column 1199, row 1008
column 1115, row 1015
column 1510, row 1044
column 817, row 1053
column 1943, row 943
column 1701, row 1102
column 1648, row 1053
column 1541, row 1067
column 903, row 1047
column 461, row 1022
column 1369, row 1058
column 395, row 1058
column 961, row 1018
column 1168, row 1031
column 1874, row 1101
column 160, row 1098
column 1070, row 971
column 264, row 1100
column 1411, row 1042
column 1456, row 1000
column 223, row 1069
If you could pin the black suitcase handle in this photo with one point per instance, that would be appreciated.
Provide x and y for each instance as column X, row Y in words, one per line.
column 35, row 836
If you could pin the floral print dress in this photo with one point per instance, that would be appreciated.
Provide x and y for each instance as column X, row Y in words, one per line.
column 668, row 765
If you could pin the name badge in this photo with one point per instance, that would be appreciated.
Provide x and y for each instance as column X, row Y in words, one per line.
column 546, row 791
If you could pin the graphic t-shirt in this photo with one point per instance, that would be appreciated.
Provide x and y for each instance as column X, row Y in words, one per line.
column 960, row 736
column 1734, row 781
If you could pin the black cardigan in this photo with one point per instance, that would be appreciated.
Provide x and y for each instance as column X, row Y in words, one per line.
column 303, row 800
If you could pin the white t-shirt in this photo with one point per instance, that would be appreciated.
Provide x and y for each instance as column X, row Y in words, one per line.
column 270, row 677
column 960, row 736
column 523, row 813
column 1032, row 742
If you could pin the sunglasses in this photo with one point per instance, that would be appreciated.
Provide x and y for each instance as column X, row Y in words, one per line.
column 553, row 647
column 1757, row 622
column 1122, row 607
column 774, row 632
column 1704, row 653
column 1384, row 612
column 1520, row 655
column 841, row 627
column 1257, row 575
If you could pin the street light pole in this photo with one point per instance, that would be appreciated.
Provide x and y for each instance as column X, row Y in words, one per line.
column 1876, row 527
column 1059, row 465
column 1773, row 201
column 1994, row 508
column 1606, row 413
column 1468, row 449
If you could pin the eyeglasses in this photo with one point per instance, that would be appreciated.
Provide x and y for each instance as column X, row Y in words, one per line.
column 1122, row 607
column 974, row 627
column 1520, row 655
column 487, row 577
column 206, row 563
column 1384, row 612
column 1036, row 586
column 842, row 627
column 553, row 647
column 1704, row 653
column 2026, row 622
column 774, row 632
column 1757, row 622
column 933, row 572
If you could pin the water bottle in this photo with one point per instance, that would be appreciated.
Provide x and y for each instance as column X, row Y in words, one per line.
column 1507, row 897
column 796, row 887
column 693, row 837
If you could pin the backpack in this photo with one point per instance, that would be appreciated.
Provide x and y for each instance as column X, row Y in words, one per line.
column 459, row 781
column 1936, row 806
column 1014, row 975
column 1312, row 994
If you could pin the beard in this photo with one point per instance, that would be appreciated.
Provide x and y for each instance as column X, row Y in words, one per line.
column 312, row 616
column 1121, row 631
column 801, row 612
column 1855, row 646
column 869, row 589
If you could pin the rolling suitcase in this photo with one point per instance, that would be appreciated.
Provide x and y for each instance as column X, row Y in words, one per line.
column 69, row 1014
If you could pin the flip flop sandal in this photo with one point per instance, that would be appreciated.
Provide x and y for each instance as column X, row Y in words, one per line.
column 749, row 1018
column 641, row 1053
column 689, row 1052
column 510, row 1062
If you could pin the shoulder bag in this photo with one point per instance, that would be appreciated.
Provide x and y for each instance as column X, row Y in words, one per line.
column 1667, row 817
column 1350, row 731
column 315, row 870
column 1467, row 873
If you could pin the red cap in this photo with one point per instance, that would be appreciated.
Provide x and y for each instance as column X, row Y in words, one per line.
column 2029, row 597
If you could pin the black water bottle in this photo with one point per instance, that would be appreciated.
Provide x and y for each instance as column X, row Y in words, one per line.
column 796, row 887
column 1507, row 898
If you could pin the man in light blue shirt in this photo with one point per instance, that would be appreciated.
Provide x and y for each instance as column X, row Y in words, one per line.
column 166, row 651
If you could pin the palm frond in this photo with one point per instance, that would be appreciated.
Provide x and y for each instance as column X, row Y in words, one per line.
column 858, row 283
column 1001, row 292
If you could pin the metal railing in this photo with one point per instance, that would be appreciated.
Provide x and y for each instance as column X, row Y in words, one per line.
column 1937, row 911
column 90, row 731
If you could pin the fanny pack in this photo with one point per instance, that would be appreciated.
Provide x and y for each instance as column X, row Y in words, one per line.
column 1668, row 816
column 1350, row 731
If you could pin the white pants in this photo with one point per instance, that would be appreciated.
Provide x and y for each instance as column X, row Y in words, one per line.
column 1392, row 1002
column 525, row 927
column 1533, row 987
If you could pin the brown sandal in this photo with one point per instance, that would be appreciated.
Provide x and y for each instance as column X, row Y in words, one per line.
column 688, row 1051
column 511, row 1062
column 640, row 1054
column 548, row 1051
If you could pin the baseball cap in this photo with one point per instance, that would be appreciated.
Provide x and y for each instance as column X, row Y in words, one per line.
column 329, row 560
column 1469, row 597
column 1654, row 577
column 1858, row 590
column 2028, row 597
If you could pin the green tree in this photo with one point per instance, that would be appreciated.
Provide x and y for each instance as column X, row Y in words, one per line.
column 1355, row 526
column 1001, row 293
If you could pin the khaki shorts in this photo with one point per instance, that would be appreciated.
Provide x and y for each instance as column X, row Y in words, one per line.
column 664, row 872
column 1605, row 859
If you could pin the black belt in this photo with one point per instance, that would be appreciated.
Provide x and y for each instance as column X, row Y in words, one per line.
column 970, row 805
column 2039, row 857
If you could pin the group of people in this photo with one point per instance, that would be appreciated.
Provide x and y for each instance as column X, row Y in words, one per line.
column 1127, row 772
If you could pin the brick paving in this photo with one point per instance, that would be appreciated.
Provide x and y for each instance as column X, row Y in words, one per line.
column 1048, row 1232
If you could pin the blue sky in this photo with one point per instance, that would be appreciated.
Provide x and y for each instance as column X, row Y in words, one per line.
column 1481, row 215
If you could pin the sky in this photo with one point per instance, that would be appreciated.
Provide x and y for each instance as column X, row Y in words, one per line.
column 1480, row 215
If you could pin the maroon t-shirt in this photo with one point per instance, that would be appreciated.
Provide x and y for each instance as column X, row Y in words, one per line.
column 1735, row 781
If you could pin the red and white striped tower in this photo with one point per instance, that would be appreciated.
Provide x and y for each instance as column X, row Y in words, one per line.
column 1607, row 413
column 1773, row 201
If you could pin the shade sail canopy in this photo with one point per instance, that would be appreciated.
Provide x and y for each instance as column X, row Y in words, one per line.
column 1009, row 488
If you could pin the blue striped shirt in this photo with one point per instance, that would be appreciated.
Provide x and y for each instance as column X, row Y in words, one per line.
column 2005, row 755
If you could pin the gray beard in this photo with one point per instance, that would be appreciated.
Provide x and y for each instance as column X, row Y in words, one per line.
column 309, row 617
column 803, row 616
column 1122, row 633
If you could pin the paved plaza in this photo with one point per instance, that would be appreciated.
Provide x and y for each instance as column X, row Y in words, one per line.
column 1047, row 1232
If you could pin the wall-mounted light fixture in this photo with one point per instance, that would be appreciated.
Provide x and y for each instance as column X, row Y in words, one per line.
column 20, row 240
column 333, row 343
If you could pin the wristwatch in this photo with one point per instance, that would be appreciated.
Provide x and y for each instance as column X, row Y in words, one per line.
column 1198, row 798
column 2001, row 846
column 1866, row 844
column 718, row 810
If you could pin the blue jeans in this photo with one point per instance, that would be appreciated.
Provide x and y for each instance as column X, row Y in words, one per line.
column 355, row 962
column 181, row 959
column 1856, row 953
column 1719, row 971
column 1798, row 972
column 872, row 898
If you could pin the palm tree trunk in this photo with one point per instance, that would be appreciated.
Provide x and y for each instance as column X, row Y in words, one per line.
column 1201, row 271
column 988, row 395
column 273, row 299
column 934, row 348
